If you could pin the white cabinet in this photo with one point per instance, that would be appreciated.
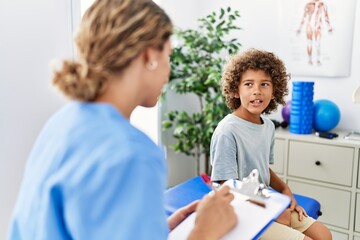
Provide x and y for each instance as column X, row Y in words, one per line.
column 327, row 170
column 340, row 236
column 335, row 203
column 357, row 213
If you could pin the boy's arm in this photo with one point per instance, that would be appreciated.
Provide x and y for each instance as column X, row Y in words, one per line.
column 277, row 184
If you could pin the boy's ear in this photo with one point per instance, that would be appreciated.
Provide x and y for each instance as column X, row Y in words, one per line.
column 237, row 95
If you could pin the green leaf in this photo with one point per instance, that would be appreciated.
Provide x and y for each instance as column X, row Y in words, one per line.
column 166, row 124
column 222, row 12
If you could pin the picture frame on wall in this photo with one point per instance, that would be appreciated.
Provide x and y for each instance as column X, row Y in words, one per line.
column 316, row 36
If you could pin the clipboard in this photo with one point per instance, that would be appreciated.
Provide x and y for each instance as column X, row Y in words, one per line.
column 253, row 220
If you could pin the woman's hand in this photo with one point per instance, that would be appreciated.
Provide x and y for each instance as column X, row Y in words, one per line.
column 215, row 215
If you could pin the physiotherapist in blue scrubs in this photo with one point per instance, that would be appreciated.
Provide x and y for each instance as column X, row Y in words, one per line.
column 91, row 174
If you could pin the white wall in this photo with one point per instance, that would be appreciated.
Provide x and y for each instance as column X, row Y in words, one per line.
column 261, row 29
column 146, row 119
column 32, row 34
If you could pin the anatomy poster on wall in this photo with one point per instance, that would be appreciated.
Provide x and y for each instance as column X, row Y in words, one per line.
column 316, row 36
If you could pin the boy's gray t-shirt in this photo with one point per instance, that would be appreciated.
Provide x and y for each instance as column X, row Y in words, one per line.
column 239, row 146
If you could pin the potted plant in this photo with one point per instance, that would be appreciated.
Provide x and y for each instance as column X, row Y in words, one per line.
column 196, row 66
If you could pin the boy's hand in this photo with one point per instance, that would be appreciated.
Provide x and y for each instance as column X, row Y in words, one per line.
column 301, row 211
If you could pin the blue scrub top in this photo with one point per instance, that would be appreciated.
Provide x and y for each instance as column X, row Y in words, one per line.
column 91, row 175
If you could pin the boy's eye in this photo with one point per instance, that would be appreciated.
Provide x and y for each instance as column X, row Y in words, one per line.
column 248, row 84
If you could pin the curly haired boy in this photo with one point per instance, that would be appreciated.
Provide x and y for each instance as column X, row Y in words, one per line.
column 255, row 83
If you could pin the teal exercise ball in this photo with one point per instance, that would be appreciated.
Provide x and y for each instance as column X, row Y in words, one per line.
column 326, row 115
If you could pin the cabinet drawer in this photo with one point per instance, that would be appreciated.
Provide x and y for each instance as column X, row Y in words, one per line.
column 358, row 178
column 321, row 162
column 329, row 199
column 279, row 156
column 357, row 213
column 339, row 236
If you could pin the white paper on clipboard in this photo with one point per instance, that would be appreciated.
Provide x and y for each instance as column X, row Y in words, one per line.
column 252, row 219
